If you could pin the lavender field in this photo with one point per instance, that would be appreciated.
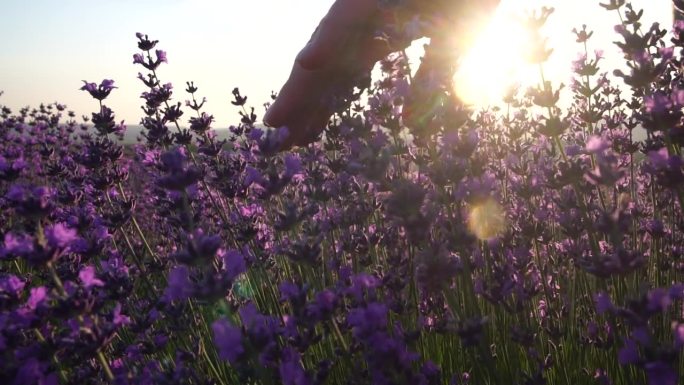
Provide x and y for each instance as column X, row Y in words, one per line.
column 532, row 243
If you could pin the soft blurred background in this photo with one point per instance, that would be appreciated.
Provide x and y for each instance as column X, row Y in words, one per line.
column 49, row 46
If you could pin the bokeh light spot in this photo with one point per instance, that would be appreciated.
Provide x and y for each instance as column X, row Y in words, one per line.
column 486, row 219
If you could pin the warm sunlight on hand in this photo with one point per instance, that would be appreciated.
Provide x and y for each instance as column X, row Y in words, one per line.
column 343, row 49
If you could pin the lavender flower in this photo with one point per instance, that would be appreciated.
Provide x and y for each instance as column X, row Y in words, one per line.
column 101, row 91
column 228, row 340
column 88, row 278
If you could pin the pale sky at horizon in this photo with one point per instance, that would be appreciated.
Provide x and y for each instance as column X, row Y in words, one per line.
column 49, row 46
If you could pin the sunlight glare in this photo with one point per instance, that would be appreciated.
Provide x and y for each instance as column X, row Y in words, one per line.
column 494, row 62
column 496, row 58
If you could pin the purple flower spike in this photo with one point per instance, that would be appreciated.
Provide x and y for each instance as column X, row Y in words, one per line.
column 118, row 318
column 12, row 285
column 658, row 300
column 87, row 277
column 200, row 249
column 660, row 373
column 678, row 332
column 35, row 372
column 149, row 63
column 161, row 56
column 293, row 165
column 33, row 202
column 37, row 297
column 138, row 59
column 228, row 340
column 179, row 281
column 17, row 245
column 99, row 92
column 291, row 370
column 144, row 43
column 201, row 124
column 629, row 354
column 596, row 145
column 272, row 141
column 59, row 236
column 365, row 321
column 179, row 175
column 234, row 263
column 603, row 303
column 667, row 169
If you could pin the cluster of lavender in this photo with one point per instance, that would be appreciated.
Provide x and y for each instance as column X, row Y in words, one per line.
column 527, row 245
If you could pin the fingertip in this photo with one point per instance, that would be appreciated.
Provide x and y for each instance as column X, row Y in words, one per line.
column 277, row 113
column 270, row 117
column 266, row 120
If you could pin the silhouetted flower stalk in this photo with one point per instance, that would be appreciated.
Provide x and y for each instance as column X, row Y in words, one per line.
column 154, row 81
column 102, row 92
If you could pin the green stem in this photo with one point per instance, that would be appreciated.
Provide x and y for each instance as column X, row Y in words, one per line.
column 105, row 365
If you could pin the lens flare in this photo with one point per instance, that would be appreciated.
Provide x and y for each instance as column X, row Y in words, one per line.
column 486, row 219
column 494, row 62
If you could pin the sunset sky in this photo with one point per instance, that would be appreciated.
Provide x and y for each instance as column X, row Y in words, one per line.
column 49, row 46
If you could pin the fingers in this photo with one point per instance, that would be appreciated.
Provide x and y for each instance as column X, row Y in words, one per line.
column 304, row 103
column 299, row 103
column 296, row 99
column 311, row 127
column 342, row 48
column 344, row 18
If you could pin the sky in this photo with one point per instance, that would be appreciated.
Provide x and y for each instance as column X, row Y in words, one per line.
column 49, row 47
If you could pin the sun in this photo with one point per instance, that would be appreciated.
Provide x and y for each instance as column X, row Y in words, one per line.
column 495, row 61
column 496, row 58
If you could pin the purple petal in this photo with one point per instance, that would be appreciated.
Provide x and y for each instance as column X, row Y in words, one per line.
column 88, row 278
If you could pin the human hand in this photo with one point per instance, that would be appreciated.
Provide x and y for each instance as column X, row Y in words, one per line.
column 344, row 48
